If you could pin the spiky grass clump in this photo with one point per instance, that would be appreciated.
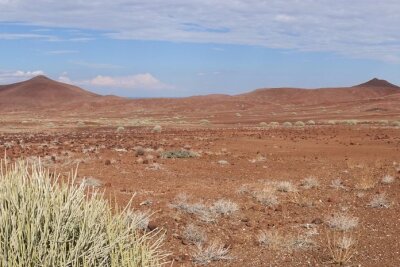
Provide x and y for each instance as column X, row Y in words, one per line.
column 214, row 252
column 44, row 222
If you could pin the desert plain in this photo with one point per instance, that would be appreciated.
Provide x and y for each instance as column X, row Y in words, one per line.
column 273, row 177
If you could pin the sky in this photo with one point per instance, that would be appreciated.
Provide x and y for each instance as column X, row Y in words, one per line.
column 175, row 48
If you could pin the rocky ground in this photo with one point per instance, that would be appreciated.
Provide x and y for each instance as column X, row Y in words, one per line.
column 249, row 196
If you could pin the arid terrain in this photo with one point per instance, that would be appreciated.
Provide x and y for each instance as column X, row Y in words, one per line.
column 274, row 177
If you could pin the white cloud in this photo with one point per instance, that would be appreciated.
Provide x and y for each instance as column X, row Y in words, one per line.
column 19, row 36
column 64, row 78
column 137, row 81
column 358, row 28
column 19, row 75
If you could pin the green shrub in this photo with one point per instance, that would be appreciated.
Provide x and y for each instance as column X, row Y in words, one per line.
column 44, row 222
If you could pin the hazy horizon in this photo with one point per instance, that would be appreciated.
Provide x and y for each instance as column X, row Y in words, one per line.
column 183, row 48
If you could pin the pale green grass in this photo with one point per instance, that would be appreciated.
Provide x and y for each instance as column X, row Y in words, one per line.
column 44, row 222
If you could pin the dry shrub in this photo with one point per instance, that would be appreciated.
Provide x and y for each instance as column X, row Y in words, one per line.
column 194, row 234
column 213, row 252
column 387, row 179
column 379, row 201
column 309, row 183
column 342, row 222
column 272, row 239
column 365, row 183
column 341, row 246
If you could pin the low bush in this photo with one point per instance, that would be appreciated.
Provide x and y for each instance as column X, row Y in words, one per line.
column 44, row 222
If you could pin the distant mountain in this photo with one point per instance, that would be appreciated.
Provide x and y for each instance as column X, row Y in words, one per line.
column 374, row 88
column 44, row 94
column 377, row 83
column 42, row 91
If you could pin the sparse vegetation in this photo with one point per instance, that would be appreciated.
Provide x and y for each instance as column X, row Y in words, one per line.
column 379, row 201
column 48, row 223
column 263, row 124
column 194, row 235
column 387, row 179
column 287, row 124
column 286, row 186
column 309, row 183
column 179, row 154
column 213, row 252
column 157, row 129
column 204, row 122
column 299, row 124
column 350, row 122
column 337, row 184
column 205, row 213
column 272, row 239
column 120, row 129
column 395, row 123
column 310, row 122
column 267, row 198
column 341, row 247
column 274, row 124
column 365, row 183
column 225, row 207
column 342, row 222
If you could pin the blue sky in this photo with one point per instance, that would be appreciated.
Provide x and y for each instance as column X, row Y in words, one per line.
column 178, row 48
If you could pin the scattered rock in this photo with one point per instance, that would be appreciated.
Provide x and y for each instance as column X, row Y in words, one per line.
column 317, row 221
column 152, row 226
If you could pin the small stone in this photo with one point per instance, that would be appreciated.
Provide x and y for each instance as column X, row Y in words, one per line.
column 317, row 221
column 152, row 226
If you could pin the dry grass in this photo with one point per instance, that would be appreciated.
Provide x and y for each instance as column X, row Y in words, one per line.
column 387, row 179
column 299, row 124
column 225, row 207
column 181, row 203
column 213, row 252
column 366, row 183
column 341, row 247
column 266, row 197
column 271, row 239
column 337, row 184
column 157, row 129
column 120, row 129
column 309, row 183
column 342, row 222
column 287, row 124
column 194, row 235
column 286, row 186
column 379, row 201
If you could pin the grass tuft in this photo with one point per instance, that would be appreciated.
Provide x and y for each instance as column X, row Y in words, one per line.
column 44, row 222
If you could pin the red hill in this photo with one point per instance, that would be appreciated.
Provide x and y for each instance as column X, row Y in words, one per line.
column 41, row 92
